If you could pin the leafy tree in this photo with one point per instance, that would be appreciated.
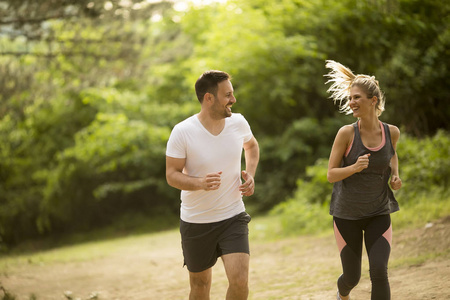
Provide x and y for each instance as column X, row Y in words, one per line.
column 86, row 132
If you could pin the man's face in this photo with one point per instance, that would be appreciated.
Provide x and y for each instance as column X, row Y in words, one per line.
column 224, row 100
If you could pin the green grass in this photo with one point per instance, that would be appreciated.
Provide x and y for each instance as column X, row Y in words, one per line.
column 298, row 217
column 417, row 260
column 76, row 252
column 80, row 252
column 422, row 210
column 129, row 224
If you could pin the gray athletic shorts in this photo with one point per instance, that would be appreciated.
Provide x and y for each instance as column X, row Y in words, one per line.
column 203, row 243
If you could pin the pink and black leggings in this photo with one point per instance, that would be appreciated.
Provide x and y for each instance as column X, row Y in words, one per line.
column 377, row 234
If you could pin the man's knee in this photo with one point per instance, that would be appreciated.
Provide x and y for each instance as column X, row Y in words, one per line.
column 239, row 282
column 200, row 281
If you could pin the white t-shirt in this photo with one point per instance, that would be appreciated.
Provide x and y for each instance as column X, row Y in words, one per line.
column 206, row 153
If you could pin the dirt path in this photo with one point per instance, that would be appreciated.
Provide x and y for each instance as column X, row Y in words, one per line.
column 149, row 267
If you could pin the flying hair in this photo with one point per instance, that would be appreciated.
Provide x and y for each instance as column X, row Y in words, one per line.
column 342, row 79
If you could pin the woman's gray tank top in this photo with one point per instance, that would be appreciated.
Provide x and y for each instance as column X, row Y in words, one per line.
column 367, row 193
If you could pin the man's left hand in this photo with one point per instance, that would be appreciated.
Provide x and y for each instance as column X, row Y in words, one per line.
column 248, row 187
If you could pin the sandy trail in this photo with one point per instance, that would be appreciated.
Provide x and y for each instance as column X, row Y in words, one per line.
column 304, row 267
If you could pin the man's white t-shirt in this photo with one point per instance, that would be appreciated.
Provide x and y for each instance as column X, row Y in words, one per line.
column 206, row 153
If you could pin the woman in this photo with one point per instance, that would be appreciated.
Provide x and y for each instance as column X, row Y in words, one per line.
column 362, row 162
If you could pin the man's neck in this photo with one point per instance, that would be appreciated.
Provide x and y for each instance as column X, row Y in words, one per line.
column 214, row 126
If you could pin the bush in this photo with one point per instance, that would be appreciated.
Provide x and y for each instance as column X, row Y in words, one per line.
column 424, row 166
column 307, row 211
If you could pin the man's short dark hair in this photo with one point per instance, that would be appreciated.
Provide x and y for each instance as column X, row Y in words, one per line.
column 208, row 82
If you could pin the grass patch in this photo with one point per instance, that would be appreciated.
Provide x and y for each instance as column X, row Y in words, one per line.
column 422, row 210
column 92, row 245
column 297, row 217
column 417, row 260
column 80, row 252
column 128, row 224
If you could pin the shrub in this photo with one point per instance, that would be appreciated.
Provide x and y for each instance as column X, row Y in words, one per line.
column 424, row 166
column 307, row 211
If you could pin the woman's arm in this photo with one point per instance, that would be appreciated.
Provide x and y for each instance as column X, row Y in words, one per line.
column 396, row 182
column 342, row 141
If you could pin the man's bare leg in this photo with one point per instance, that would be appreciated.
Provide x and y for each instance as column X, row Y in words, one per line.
column 237, row 268
column 200, row 284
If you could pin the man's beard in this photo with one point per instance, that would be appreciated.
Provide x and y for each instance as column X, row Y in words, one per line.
column 221, row 112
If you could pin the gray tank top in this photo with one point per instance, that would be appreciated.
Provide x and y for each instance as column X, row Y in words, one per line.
column 367, row 193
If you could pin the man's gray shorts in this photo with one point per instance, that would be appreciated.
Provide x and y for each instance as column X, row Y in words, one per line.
column 203, row 243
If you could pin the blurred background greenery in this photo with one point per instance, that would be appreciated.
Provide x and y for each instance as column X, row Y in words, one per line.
column 90, row 90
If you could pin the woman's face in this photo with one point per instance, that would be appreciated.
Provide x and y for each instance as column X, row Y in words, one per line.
column 359, row 103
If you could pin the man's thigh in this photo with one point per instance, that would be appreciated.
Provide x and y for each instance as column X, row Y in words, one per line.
column 236, row 266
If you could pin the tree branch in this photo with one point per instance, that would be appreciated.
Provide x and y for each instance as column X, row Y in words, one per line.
column 36, row 20
column 53, row 55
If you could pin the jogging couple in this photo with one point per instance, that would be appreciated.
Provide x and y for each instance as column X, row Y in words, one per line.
column 203, row 160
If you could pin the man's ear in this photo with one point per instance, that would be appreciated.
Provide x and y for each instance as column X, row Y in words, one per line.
column 209, row 98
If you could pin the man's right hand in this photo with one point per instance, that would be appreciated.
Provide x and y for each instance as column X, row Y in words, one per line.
column 211, row 181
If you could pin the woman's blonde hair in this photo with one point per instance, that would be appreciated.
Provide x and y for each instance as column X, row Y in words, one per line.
column 343, row 79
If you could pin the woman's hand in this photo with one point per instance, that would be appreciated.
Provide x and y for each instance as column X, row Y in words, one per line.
column 362, row 163
column 396, row 182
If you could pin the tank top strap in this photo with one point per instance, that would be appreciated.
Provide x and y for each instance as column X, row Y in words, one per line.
column 387, row 133
column 357, row 136
column 356, row 131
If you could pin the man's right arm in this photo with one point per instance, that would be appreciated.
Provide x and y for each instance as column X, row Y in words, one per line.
column 177, row 179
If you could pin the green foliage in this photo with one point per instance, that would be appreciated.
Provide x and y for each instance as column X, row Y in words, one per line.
column 112, row 157
column 299, row 217
column 425, row 208
column 424, row 165
column 29, row 148
column 413, row 74
column 307, row 210
column 114, row 165
column 90, row 95
column 284, row 158
column 276, row 74
column 83, row 134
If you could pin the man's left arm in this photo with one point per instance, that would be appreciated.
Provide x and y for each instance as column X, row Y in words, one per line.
column 251, row 149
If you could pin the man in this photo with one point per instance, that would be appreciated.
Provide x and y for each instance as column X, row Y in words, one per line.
column 203, row 160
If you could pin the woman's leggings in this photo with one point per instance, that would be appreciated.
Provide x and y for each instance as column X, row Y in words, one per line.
column 377, row 237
